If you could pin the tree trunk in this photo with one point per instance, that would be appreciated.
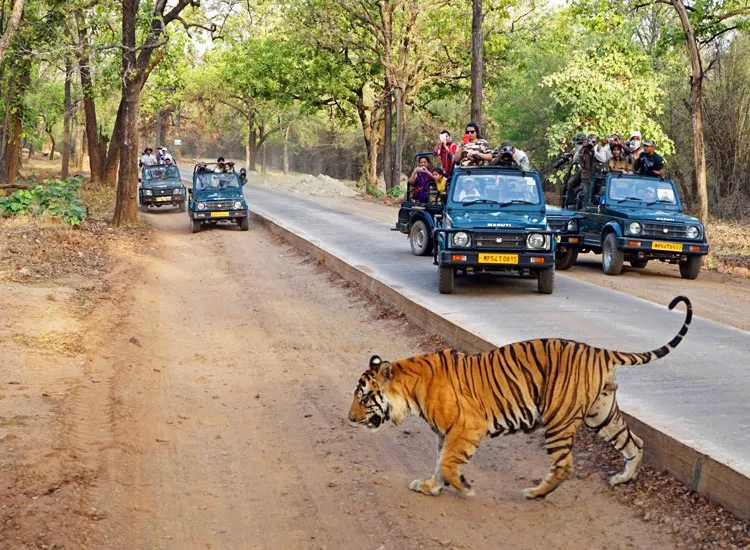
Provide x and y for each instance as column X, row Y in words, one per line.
column 176, row 154
column 400, row 131
column 13, row 148
column 249, row 161
column 372, row 167
column 127, row 181
column 11, row 27
column 51, row 151
column 96, row 161
column 68, row 105
column 286, row 147
column 388, row 137
column 110, row 174
column 477, row 62
column 80, row 146
column 696, row 112
column 11, row 158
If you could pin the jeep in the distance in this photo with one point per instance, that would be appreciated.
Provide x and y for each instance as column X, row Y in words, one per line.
column 216, row 196
column 161, row 185
column 417, row 220
column 494, row 222
column 639, row 218
column 566, row 225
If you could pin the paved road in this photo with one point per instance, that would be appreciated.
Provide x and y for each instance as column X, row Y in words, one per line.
column 698, row 394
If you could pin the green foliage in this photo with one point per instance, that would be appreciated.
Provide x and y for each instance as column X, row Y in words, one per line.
column 397, row 191
column 55, row 198
column 374, row 191
column 605, row 92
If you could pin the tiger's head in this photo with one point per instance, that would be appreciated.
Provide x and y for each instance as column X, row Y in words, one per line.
column 370, row 405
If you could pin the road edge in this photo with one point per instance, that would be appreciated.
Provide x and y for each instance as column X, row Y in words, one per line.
column 697, row 470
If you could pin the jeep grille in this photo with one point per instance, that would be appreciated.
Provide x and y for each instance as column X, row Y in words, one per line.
column 658, row 230
column 510, row 241
column 159, row 192
column 557, row 224
column 219, row 205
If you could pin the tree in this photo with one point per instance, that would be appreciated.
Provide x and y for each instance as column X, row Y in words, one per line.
column 477, row 62
column 11, row 27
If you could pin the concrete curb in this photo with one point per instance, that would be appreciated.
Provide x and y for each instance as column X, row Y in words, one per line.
column 696, row 470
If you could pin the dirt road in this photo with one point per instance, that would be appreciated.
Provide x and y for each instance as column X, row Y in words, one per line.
column 228, row 376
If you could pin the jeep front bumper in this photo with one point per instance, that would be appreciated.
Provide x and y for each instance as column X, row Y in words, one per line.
column 497, row 261
column 652, row 248
column 214, row 215
column 162, row 199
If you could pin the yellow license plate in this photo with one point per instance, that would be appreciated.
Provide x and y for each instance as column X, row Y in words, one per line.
column 672, row 247
column 498, row 258
column 219, row 214
column 163, row 198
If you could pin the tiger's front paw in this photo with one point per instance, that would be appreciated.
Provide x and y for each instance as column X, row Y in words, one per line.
column 426, row 486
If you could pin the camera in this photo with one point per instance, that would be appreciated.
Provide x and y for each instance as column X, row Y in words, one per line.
column 630, row 143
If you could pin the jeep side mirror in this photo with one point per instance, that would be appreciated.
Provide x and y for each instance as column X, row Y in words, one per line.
column 601, row 199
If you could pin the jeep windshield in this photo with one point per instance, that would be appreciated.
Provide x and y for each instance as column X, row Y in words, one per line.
column 496, row 189
column 645, row 191
column 218, row 180
column 156, row 173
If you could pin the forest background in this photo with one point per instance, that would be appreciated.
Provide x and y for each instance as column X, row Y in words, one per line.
column 355, row 88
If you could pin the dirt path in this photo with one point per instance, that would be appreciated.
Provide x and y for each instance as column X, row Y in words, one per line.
column 720, row 297
column 225, row 425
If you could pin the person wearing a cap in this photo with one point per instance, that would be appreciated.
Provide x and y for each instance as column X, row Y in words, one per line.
column 147, row 158
column 649, row 162
column 633, row 147
column 520, row 158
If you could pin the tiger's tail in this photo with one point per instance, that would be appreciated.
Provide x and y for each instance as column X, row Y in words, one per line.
column 621, row 358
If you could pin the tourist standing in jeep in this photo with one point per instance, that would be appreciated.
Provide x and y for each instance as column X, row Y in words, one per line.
column 474, row 150
column 446, row 150
column 649, row 163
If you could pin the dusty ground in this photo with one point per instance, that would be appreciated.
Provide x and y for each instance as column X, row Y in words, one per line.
column 173, row 391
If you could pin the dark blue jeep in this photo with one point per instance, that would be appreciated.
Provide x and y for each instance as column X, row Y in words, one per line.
column 566, row 225
column 494, row 222
column 638, row 218
column 216, row 196
column 161, row 185
column 417, row 220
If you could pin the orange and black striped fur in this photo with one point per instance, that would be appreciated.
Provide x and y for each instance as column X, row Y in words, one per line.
column 559, row 384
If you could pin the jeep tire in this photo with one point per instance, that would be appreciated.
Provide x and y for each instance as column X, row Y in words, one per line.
column 420, row 239
column 195, row 226
column 546, row 281
column 446, row 279
column 245, row 223
column 566, row 259
column 612, row 258
column 182, row 207
column 690, row 268
column 143, row 208
column 639, row 263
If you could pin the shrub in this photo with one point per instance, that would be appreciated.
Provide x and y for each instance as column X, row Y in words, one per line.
column 54, row 197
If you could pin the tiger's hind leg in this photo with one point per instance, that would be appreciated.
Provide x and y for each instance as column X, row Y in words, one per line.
column 434, row 485
column 559, row 443
column 604, row 417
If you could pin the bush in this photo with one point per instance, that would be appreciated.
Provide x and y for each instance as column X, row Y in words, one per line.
column 53, row 197
column 375, row 192
column 397, row 191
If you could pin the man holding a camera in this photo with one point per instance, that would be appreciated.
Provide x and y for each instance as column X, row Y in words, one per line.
column 446, row 150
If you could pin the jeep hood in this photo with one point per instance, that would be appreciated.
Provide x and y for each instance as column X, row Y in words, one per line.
column 476, row 219
column 557, row 212
column 218, row 194
column 651, row 214
column 162, row 184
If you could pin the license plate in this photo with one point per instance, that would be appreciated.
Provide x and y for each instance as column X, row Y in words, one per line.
column 219, row 214
column 163, row 199
column 498, row 258
column 672, row 247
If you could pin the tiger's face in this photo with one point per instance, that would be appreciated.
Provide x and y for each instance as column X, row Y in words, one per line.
column 370, row 405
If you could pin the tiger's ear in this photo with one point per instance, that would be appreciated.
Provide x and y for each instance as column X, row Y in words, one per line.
column 386, row 371
column 375, row 362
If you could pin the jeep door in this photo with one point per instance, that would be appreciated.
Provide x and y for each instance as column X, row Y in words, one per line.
column 594, row 212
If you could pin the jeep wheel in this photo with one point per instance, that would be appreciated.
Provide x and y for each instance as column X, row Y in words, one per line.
column 546, row 281
column 611, row 257
column 564, row 260
column 245, row 223
column 420, row 239
column 690, row 268
column 143, row 208
column 195, row 226
column 182, row 206
column 639, row 263
column 446, row 280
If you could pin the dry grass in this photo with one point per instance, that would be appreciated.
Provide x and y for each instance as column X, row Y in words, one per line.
column 58, row 342
column 730, row 247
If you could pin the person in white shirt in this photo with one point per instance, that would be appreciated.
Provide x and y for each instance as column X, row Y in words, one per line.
column 147, row 158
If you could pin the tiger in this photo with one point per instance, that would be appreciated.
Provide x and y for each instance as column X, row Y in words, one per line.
column 555, row 383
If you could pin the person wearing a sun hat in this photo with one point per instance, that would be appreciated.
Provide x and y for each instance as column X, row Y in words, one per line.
column 649, row 162
column 633, row 147
column 147, row 158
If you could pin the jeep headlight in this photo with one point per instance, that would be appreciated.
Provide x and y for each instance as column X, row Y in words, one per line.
column 536, row 240
column 201, row 206
column 147, row 192
column 573, row 226
column 177, row 191
column 693, row 232
column 461, row 239
column 635, row 228
column 237, row 205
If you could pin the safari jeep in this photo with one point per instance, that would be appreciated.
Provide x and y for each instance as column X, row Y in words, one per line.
column 216, row 197
column 417, row 220
column 566, row 225
column 494, row 222
column 638, row 218
column 161, row 185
